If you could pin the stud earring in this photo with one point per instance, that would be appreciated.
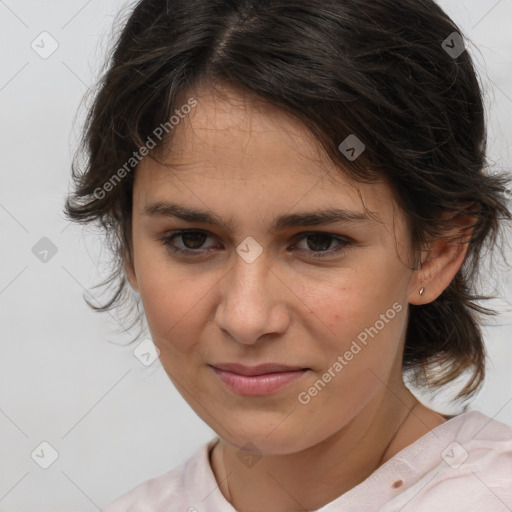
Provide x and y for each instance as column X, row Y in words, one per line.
column 421, row 291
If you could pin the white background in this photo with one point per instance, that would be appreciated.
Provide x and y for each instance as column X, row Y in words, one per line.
column 63, row 378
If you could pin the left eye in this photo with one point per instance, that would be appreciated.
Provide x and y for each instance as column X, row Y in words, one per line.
column 319, row 243
column 192, row 241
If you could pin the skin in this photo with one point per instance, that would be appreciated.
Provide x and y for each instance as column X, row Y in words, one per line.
column 249, row 163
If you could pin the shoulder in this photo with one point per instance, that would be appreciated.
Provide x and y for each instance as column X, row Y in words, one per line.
column 469, row 467
column 171, row 491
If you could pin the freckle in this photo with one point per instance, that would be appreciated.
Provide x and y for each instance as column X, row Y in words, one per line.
column 397, row 483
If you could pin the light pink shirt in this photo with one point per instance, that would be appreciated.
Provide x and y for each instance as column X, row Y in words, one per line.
column 464, row 465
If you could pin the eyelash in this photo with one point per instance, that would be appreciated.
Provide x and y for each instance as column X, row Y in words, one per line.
column 169, row 238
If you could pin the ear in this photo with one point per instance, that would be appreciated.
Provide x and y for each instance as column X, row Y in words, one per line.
column 441, row 261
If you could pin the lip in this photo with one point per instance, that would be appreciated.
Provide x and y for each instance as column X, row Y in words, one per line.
column 258, row 380
column 260, row 369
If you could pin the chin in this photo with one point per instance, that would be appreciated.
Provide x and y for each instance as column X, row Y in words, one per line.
column 268, row 441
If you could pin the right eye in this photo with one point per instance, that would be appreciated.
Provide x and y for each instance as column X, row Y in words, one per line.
column 191, row 242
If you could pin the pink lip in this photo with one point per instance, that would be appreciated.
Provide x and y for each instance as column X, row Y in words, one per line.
column 259, row 380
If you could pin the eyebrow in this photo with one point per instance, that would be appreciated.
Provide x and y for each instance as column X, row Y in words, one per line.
column 311, row 218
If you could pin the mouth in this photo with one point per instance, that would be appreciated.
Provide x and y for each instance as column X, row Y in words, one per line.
column 257, row 380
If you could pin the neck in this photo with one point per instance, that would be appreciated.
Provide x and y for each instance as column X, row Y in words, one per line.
column 311, row 478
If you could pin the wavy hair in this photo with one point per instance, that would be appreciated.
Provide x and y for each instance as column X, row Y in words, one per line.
column 382, row 70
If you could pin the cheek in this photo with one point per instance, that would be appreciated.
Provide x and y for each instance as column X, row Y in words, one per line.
column 363, row 324
column 173, row 304
column 342, row 307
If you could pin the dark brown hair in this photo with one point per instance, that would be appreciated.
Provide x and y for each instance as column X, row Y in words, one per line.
column 386, row 71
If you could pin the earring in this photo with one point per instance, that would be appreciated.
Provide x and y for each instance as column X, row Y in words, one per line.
column 421, row 291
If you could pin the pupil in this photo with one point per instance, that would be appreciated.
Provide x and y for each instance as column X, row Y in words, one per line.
column 317, row 239
column 197, row 240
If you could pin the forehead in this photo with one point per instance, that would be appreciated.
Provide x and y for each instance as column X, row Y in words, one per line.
column 243, row 143
column 229, row 123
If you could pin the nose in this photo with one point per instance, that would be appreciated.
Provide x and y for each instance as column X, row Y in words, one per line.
column 254, row 302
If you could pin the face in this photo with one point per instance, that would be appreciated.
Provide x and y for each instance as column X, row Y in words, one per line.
column 266, row 275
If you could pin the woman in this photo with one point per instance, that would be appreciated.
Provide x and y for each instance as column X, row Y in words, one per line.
column 296, row 192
